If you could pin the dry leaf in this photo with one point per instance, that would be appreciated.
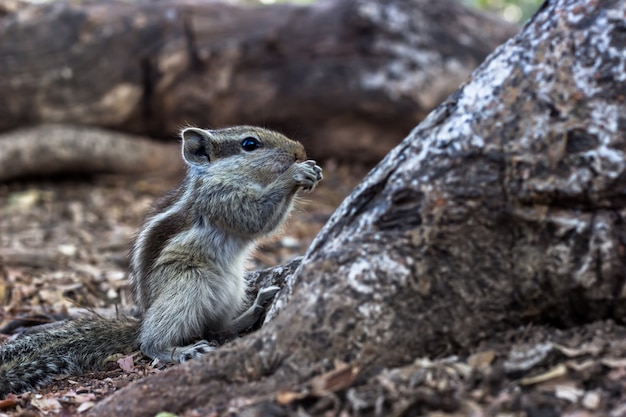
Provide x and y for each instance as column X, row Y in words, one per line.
column 9, row 402
column 588, row 349
column 568, row 392
column 339, row 378
column 287, row 397
column 85, row 406
column 113, row 358
column 581, row 366
column 80, row 398
column 525, row 358
column 556, row 372
column 127, row 364
column 46, row 405
column 481, row 360
column 614, row 362
column 579, row 413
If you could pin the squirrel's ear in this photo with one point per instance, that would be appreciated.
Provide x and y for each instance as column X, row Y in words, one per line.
column 197, row 146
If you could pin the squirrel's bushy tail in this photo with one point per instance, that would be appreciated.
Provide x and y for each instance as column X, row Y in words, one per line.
column 69, row 348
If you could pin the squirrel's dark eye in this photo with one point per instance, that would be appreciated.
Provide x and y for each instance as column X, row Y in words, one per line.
column 250, row 144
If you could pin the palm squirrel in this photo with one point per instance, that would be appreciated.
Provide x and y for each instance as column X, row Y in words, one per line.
column 187, row 261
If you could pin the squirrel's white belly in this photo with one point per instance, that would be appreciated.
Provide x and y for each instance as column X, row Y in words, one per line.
column 217, row 262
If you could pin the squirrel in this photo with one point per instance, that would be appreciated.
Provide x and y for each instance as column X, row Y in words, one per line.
column 187, row 260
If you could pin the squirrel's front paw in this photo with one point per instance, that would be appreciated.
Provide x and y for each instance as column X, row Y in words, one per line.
column 307, row 175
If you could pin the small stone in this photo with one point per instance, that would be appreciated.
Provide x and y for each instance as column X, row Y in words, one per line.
column 591, row 400
column 67, row 250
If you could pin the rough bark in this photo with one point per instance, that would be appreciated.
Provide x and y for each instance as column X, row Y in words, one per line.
column 349, row 78
column 506, row 205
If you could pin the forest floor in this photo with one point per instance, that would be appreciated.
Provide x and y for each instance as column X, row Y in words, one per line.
column 63, row 247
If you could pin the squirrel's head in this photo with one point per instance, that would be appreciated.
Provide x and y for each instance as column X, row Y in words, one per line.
column 246, row 150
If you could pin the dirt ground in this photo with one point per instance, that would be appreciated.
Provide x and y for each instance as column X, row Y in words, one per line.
column 63, row 246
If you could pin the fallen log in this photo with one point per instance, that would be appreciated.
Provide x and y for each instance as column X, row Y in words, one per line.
column 348, row 78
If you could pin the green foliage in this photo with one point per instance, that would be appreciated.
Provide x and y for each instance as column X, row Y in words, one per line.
column 516, row 11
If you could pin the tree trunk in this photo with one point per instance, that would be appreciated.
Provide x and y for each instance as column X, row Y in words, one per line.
column 349, row 78
column 506, row 205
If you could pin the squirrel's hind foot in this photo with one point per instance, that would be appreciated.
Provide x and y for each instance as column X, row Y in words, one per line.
column 193, row 351
column 179, row 354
